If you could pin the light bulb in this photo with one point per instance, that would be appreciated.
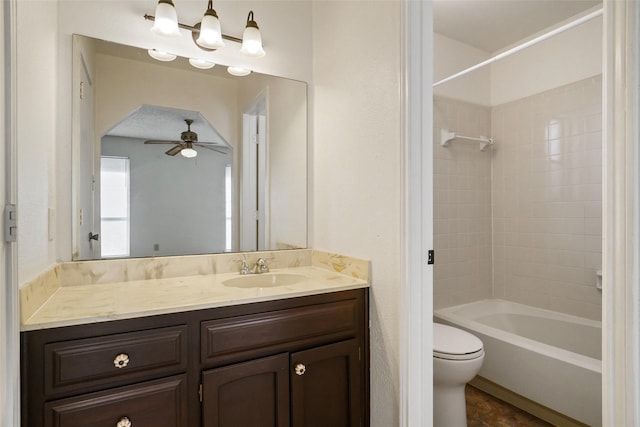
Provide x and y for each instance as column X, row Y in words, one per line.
column 161, row 56
column 203, row 64
column 238, row 71
column 210, row 33
column 188, row 153
column 166, row 19
column 251, row 39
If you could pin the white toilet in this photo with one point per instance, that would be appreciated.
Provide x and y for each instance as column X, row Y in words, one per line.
column 457, row 358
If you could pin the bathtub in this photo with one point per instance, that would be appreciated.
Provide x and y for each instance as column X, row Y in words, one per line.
column 551, row 358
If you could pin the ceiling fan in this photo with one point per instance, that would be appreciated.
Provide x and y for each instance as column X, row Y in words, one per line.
column 189, row 139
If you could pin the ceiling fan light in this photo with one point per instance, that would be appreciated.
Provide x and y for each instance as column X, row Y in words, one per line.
column 210, row 33
column 251, row 39
column 202, row 64
column 166, row 19
column 238, row 71
column 189, row 153
column 161, row 56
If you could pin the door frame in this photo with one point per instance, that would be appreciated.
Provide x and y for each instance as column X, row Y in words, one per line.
column 9, row 294
column 416, row 299
column 621, row 221
column 621, row 215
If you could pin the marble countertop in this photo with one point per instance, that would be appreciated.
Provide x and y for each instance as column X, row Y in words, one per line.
column 82, row 304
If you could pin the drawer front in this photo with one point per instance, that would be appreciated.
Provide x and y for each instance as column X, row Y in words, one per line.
column 254, row 335
column 160, row 403
column 114, row 359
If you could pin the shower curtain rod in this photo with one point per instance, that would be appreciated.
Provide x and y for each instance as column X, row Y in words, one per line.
column 524, row 45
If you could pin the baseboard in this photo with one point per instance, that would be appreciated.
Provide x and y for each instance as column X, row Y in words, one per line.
column 527, row 405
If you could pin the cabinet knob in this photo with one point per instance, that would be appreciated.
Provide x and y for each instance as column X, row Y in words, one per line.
column 300, row 369
column 124, row 422
column 121, row 361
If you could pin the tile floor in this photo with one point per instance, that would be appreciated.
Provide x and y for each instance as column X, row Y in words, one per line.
column 484, row 410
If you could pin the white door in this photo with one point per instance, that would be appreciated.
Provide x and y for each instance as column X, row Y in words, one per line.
column 87, row 215
column 254, row 188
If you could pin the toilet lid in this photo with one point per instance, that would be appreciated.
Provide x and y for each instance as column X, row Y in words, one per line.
column 454, row 343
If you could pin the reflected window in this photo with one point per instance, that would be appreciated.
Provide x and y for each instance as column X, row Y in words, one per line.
column 114, row 206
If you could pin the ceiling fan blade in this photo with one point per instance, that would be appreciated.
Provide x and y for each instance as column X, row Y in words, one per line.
column 175, row 150
column 162, row 142
column 209, row 143
column 219, row 150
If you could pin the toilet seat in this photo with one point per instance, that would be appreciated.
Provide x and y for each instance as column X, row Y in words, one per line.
column 455, row 344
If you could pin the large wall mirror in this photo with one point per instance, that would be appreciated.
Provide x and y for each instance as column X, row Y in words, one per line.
column 169, row 159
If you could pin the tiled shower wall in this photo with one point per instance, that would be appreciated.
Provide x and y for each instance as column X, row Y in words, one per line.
column 462, row 206
column 547, row 199
column 523, row 220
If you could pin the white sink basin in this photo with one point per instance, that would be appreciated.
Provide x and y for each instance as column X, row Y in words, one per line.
column 265, row 280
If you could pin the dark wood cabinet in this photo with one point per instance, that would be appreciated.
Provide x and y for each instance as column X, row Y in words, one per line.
column 326, row 384
column 299, row 362
column 254, row 393
column 155, row 403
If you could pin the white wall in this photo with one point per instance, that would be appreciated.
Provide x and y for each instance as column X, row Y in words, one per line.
column 36, row 133
column 568, row 57
column 565, row 58
column 357, row 165
column 451, row 56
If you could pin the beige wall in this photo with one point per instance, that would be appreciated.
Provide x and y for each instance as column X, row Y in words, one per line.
column 357, row 165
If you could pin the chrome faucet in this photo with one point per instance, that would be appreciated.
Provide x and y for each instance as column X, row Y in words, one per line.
column 259, row 267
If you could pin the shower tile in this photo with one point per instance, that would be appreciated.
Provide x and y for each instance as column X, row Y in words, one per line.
column 547, row 162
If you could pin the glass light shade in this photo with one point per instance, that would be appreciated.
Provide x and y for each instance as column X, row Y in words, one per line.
column 161, row 56
column 203, row 64
column 166, row 20
column 210, row 32
column 252, row 42
column 238, row 71
column 188, row 153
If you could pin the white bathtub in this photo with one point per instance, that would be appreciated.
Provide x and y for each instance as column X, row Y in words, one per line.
column 551, row 358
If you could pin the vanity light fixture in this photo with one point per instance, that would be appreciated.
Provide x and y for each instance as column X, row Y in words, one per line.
column 202, row 64
column 161, row 56
column 206, row 34
column 166, row 19
column 251, row 39
column 238, row 71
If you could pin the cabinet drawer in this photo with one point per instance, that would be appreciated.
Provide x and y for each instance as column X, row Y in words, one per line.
column 114, row 359
column 255, row 335
column 160, row 403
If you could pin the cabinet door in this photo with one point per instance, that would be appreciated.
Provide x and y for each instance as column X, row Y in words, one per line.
column 254, row 393
column 326, row 386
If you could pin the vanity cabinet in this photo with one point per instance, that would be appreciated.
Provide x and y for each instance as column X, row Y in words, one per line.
column 318, row 387
column 292, row 362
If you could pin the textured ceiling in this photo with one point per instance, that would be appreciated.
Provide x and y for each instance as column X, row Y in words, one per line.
column 492, row 25
column 164, row 123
